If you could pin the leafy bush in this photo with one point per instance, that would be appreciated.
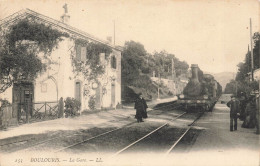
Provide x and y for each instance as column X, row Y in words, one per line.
column 4, row 103
column 92, row 103
column 72, row 107
column 170, row 93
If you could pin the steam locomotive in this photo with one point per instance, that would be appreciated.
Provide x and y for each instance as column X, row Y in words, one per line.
column 202, row 91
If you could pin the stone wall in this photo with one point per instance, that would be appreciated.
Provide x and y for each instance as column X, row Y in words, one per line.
column 7, row 117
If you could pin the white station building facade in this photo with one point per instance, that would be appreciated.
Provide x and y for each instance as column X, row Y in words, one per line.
column 59, row 80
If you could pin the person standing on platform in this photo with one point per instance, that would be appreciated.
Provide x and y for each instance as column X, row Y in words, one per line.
column 234, row 109
column 144, row 113
column 139, row 106
column 250, row 112
column 243, row 102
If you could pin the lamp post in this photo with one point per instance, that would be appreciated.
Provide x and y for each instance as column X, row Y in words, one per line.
column 159, row 81
column 258, row 109
column 252, row 54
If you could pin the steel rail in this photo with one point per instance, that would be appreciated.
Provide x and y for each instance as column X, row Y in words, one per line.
column 87, row 140
column 69, row 135
column 113, row 131
column 48, row 140
column 37, row 143
column 190, row 126
column 118, row 152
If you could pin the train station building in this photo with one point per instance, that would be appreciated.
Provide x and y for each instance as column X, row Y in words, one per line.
column 62, row 77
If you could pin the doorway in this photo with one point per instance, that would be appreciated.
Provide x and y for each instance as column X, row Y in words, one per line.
column 78, row 91
column 113, row 94
column 23, row 98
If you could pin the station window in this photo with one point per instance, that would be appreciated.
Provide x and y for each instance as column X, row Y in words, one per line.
column 78, row 52
column 81, row 53
column 113, row 62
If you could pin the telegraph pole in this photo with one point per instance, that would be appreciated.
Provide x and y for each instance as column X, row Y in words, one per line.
column 258, row 110
column 258, row 103
column 159, row 85
column 172, row 69
column 114, row 32
column 236, row 88
column 252, row 57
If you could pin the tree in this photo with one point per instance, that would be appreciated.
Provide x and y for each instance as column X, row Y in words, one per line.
column 231, row 87
column 163, row 64
column 236, row 87
column 242, row 72
column 256, row 50
column 133, row 61
column 20, row 43
column 138, row 67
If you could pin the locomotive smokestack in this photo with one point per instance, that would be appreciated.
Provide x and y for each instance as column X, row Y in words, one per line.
column 194, row 72
column 215, row 88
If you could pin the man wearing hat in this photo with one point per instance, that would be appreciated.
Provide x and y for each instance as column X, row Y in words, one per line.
column 234, row 109
column 140, row 108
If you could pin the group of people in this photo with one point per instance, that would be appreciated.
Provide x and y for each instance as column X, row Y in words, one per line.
column 243, row 108
column 140, row 106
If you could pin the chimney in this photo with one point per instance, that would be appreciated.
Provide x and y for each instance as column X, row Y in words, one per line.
column 109, row 39
column 65, row 18
column 194, row 72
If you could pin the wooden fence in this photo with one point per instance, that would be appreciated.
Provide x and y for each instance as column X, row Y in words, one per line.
column 45, row 110
column 38, row 111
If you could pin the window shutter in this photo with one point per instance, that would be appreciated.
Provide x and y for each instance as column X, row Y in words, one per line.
column 83, row 53
column 113, row 62
column 78, row 52
column 102, row 58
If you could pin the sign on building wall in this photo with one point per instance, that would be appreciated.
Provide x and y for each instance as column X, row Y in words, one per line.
column 44, row 87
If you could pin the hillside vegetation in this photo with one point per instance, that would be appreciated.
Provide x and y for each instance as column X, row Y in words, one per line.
column 138, row 66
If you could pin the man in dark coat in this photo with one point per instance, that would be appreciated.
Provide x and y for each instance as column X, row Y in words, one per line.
column 144, row 113
column 250, row 112
column 139, row 106
column 234, row 109
column 243, row 103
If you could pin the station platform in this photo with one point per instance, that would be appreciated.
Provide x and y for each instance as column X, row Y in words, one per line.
column 92, row 119
column 217, row 145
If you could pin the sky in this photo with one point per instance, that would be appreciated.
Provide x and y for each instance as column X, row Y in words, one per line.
column 211, row 33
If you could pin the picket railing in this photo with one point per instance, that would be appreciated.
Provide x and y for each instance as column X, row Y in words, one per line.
column 45, row 110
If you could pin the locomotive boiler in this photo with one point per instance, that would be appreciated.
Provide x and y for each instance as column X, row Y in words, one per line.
column 202, row 91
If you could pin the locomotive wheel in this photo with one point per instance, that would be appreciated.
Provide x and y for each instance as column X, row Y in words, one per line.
column 186, row 108
column 207, row 108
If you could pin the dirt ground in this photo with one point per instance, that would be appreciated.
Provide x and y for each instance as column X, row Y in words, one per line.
column 209, row 142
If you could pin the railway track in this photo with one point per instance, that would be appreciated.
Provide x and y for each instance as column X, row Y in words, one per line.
column 139, row 141
column 103, row 134
column 106, row 137
column 160, row 127
column 188, row 129
column 41, row 143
